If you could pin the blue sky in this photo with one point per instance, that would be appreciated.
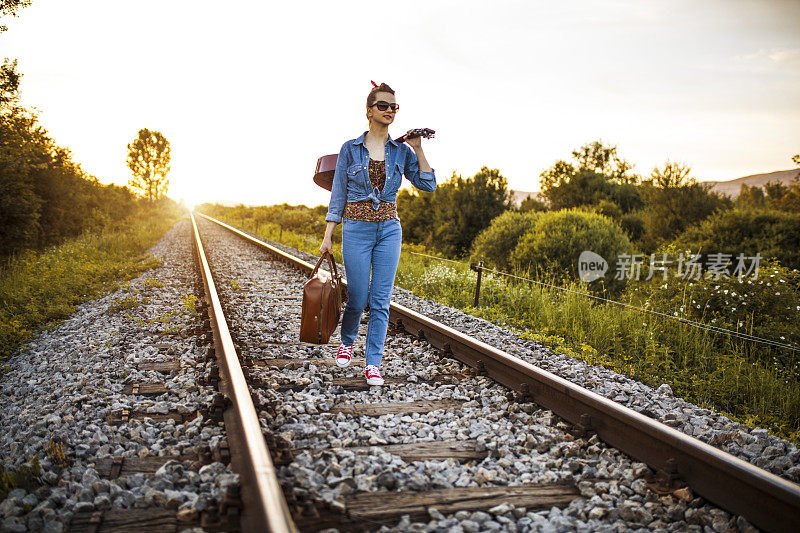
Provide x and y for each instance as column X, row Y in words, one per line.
column 250, row 94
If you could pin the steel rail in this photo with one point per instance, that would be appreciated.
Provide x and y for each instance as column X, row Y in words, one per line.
column 265, row 507
column 766, row 500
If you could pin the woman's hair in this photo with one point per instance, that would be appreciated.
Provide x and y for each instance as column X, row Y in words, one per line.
column 382, row 88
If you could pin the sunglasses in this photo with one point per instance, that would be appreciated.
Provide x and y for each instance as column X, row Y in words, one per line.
column 383, row 106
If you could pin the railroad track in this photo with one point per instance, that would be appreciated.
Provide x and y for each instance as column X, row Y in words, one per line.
column 340, row 467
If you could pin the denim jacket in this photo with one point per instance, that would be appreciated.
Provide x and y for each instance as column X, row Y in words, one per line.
column 351, row 179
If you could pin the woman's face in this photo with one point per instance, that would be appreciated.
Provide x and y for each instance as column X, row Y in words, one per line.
column 382, row 117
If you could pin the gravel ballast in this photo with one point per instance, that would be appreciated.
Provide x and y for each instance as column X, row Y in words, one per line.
column 60, row 392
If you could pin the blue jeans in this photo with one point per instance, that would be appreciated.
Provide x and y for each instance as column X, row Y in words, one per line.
column 369, row 246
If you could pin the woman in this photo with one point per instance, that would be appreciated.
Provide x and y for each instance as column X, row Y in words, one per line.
column 368, row 173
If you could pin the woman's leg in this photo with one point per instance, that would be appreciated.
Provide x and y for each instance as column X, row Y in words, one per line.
column 358, row 238
column 385, row 257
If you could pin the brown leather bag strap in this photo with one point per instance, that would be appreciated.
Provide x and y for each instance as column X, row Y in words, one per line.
column 331, row 263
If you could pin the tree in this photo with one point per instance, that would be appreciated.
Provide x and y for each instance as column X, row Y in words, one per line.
column 9, row 7
column 462, row 208
column 148, row 159
column 596, row 174
column 675, row 201
column 9, row 84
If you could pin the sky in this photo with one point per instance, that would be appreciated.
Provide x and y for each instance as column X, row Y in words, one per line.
column 251, row 94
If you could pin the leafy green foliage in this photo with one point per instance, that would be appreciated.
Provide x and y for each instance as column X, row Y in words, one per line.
column 494, row 244
column 597, row 173
column 531, row 203
column 9, row 8
column 551, row 248
column 148, row 160
column 773, row 234
column 44, row 196
column 675, row 202
column 414, row 208
column 451, row 217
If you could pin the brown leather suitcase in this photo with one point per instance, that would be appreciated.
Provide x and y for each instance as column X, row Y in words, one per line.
column 322, row 304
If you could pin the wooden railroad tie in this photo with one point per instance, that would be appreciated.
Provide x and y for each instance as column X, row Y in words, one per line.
column 156, row 520
column 376, row 508
column 166, row 367
column 395, row 408
column 124, row 416
column 144, row 389
column 462, row 451
column 119, row 466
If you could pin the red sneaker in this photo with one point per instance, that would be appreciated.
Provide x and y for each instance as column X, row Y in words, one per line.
column 344, row 355
column 373, row 375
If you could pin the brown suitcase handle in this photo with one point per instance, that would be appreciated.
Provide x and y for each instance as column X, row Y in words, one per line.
column 331, row 263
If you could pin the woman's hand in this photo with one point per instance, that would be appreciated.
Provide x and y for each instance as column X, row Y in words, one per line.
column 414, row 142
column 326, row 245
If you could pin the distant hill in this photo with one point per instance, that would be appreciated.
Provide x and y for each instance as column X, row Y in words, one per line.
column 731, row 188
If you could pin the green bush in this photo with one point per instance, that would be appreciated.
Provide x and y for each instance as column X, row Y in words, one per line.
column 633, row 225
column 495, row 244
column 771, row 233
column 551, row 248
column 608, row 209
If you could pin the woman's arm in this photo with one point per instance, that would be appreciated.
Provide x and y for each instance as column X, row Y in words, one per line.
column 338, row 200
column 417, row 168
column 327, row 243
column 416, row 145
column 338, row 188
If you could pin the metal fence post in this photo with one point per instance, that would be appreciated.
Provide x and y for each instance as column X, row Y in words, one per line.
column 477, row 267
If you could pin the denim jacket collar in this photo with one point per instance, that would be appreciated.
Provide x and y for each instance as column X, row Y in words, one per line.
column 360, row 139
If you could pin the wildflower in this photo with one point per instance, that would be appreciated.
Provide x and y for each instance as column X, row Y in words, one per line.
column 777, row 294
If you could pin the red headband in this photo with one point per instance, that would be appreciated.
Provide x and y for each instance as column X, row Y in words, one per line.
column 373, row 83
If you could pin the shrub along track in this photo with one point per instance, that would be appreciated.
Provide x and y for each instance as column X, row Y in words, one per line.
column 442, row 442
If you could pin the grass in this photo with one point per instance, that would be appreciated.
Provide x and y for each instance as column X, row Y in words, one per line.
column 710, row 370
column 39, row 288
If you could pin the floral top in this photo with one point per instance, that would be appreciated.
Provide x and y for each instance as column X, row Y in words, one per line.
column 363, row 210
